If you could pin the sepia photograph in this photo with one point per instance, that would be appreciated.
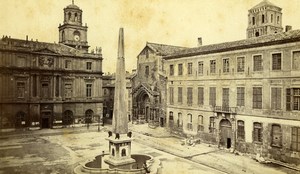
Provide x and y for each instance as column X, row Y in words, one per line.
column 149, row 86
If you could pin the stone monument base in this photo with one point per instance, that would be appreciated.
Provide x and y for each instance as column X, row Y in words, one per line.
column 119, row 150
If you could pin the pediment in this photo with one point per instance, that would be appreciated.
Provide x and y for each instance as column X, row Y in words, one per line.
column 45, row 51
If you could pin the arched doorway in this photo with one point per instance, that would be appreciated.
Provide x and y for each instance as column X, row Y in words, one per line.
column 89, row 116
column 67, row 117
column 144, row 107
column 20, row 120
column 225, row 133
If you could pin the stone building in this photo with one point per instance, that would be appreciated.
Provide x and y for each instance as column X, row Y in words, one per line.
column 45, row 85
column 242, row 95
column 149, row 84
column 108, row 96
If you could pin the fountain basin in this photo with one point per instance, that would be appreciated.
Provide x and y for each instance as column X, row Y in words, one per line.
column 99, row 166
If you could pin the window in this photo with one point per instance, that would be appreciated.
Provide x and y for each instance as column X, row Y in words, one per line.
column 189, row 96
column 67, row 64
column 200, row 95
column 179, row 94
column 147, row 71
column 296, row 139
column 180, row 69
column 68, row 91
column 293, row 99
column 211, row 124
column 200, row 124
column 272, row 18
column 263, row 18
column 253, row 20
column 190, row 123
column 257, row 97
column 240, row 130
column 190, row 68
column 278, row 20
column 88, row 65
column 212, row 66
column 257, row 132
column 296, row 60
column 57, row 87
column 212, row 96
column 20, row 89
column 34, row 86
column 240, row 64
column 171, row 116
column 276, row 136
column 225, row 102
column 20, row 61
column 276, row 98
column 179, row 120
column 88, row 90
column 225, row 65
column 171, row 70
column 45, row 90
column 171, row 97
column 240, row 96
column 276, row 61
column 200, row 68
column 257, row 63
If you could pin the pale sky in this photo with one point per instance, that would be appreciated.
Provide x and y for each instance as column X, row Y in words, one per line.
column 173, row 22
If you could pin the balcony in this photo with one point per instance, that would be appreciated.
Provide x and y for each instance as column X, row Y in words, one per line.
column 225, row 109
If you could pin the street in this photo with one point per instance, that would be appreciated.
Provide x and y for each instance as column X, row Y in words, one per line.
column 60, row 150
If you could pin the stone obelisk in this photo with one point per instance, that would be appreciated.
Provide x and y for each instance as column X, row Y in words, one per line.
column 119, row 138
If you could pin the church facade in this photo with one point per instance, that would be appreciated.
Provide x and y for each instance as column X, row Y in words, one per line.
column 48, row 85
column 242, row 95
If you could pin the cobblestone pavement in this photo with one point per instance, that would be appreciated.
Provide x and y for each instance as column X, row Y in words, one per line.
column 51, row 151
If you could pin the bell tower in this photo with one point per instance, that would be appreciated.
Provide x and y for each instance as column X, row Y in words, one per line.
column 263, row 19
column 71, row 32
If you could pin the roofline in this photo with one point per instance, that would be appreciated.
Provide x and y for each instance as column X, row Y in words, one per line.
column 278, row 42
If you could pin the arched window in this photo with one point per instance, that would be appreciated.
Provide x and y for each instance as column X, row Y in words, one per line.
column 272, row 18
column 69, row 15
column 63, row 36
column 240, row 130
column 257, row 132
column 253, row 20
column 211, row 124
column 179, row 120
column 76, row 17
column 89, row 116
column 123, row 153
column 278, row 20
column 189, row 124
column 171, row 116
column 276, row 135
column 200, row 123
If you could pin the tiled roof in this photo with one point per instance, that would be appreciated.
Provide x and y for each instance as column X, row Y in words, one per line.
column 273, row 39
column 264, row 3
column 164, row 49
column 36, row 46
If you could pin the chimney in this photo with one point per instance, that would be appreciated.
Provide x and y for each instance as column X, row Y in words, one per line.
column 288, row 28
column 199, row 41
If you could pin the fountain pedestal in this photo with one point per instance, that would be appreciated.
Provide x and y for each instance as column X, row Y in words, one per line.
column 119, row 150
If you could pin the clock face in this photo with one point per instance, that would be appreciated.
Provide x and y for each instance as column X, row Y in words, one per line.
column 76, row 38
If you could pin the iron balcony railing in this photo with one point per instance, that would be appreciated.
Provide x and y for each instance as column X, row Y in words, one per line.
column 225, row 109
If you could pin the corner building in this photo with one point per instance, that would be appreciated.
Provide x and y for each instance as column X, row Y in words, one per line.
column 242, row 95
column 48, row 85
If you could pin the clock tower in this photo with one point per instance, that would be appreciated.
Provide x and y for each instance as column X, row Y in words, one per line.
column 71, row 32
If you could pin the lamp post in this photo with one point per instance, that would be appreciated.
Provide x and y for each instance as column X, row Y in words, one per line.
column 99, row 123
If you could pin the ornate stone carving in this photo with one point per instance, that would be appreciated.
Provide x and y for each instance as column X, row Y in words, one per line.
column 46, row 61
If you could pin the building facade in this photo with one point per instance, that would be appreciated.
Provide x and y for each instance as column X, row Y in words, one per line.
column 108, row 96
column 242, row 95
column 149, row 84
column 44, row 85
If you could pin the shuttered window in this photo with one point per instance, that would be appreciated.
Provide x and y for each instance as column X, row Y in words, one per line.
column 276, row 98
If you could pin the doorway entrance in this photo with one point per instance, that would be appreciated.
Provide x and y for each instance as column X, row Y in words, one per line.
column 45, row 123
column 225, row 133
